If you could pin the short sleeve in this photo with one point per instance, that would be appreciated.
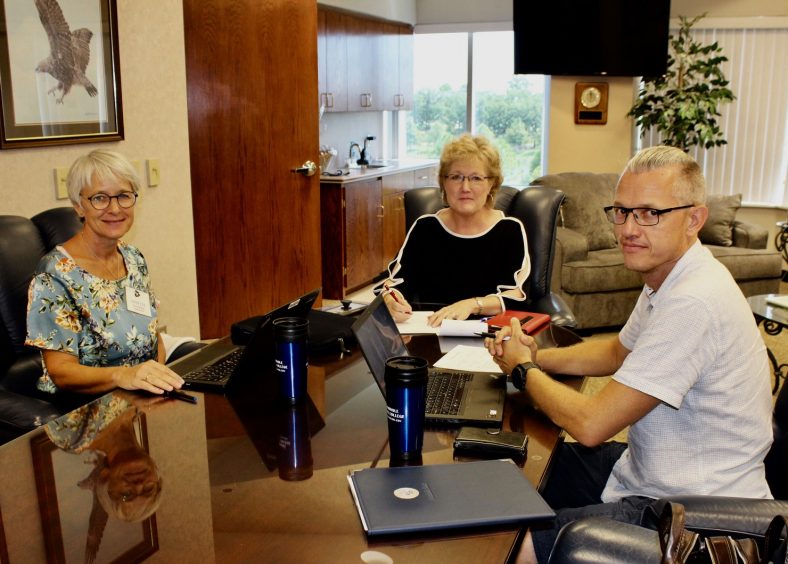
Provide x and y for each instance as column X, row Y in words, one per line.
column 53, row 321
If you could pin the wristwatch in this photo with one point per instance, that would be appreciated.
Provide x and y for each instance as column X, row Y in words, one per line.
column 520, row 374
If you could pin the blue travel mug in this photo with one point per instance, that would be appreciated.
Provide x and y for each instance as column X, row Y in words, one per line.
column 406, row 392
column 295, row 444
column 291, row 357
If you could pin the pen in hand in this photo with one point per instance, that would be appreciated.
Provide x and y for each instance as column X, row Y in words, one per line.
column 175, row 394
column 489, row 335
column 392, row 293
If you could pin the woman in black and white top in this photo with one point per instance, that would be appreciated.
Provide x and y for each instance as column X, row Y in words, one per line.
column 468, row 255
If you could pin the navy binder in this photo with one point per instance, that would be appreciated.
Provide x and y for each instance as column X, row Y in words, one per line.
column 445, row 496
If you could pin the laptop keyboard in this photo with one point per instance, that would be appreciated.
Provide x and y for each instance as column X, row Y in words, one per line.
column 217, row 372
column 444, row 392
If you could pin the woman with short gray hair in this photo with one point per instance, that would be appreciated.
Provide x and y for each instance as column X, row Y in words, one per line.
column 91, row 309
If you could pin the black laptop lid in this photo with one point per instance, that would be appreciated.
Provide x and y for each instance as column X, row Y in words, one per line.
column 378, row 338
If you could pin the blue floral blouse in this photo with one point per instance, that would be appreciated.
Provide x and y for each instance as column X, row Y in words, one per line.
column 76, row 431
column 73, row 311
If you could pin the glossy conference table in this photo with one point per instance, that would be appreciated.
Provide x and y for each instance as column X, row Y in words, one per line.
column 243, row 478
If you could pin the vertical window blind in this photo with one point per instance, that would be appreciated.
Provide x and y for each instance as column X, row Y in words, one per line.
column 755, row 160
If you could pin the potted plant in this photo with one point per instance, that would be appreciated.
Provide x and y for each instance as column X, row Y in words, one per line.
column 682, row 104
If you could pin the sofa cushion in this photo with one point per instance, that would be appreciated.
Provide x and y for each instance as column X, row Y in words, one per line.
column 718, row 229
column 586, row 194
column 603, row 271
column 748, row 264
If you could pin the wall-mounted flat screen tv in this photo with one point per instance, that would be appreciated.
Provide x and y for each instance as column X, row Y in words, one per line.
column 591, row 37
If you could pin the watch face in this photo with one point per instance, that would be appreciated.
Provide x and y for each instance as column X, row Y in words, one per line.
column 590, row 97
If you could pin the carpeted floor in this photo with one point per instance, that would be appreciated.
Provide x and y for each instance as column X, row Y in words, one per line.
column 778, row 344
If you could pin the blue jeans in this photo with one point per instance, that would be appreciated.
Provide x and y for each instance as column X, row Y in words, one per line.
column 574, row 491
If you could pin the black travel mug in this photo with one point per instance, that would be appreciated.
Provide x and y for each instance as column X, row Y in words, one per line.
column 291, row 357
column 406, row 391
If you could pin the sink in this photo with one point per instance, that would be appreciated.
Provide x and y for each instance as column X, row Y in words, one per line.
column 380, row 164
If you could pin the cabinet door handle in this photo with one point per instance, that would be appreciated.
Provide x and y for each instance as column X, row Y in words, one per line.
column 382, row 210
column 329, row 99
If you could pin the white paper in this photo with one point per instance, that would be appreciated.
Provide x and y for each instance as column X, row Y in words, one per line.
column 469, row 359
column 417, row 325
column 780, row 301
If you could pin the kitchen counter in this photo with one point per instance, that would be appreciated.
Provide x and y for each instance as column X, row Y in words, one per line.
column 391, row 167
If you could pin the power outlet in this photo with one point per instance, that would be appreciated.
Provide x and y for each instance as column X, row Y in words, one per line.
column 153, row 172
column 61, row 189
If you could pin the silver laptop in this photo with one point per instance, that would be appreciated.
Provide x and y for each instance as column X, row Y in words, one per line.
column 453, row 397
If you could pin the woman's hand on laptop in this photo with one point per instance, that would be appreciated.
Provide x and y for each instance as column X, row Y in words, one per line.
column 150, row 376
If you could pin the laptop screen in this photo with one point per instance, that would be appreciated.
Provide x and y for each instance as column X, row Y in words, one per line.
column 378, row 338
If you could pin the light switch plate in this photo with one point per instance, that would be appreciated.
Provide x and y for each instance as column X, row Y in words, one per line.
column 61, row 190
column 153, row 172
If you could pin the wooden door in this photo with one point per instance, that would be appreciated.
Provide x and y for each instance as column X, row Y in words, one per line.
column 363, row 232
column 251, row 71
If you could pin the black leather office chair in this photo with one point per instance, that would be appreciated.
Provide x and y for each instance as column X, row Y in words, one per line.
column 599, row 540
column 537, row 207
column 23, row 242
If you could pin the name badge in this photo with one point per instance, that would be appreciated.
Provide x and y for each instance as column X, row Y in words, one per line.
column 138, row 301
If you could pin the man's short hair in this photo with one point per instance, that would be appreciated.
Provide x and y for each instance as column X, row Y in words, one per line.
column 691, row 186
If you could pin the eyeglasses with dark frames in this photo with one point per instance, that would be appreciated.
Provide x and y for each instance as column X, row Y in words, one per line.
column 102, row 201
column 473, row 179
column 645, row 217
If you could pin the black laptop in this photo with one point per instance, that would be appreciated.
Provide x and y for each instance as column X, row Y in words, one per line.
column 212, row 367
column 453, row 397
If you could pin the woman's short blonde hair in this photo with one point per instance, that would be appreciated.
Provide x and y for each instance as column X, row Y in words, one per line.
column 472, row 146
column 100, row 164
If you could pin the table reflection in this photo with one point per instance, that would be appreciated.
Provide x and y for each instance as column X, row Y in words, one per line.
column 100, row 449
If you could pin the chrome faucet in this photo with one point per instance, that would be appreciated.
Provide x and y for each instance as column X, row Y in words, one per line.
column 363, row 160
column 350, row 153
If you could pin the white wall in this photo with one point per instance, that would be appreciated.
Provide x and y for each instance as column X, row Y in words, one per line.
column 155, row 115
column 394, row 10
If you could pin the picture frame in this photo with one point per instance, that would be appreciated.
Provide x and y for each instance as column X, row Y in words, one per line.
column 56, row 92
column 67, row 513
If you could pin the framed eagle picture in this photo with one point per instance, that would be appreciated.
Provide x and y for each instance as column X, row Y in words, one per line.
column 59, row 73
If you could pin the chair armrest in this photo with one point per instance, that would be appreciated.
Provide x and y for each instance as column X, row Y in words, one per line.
column 23, row 413
column 725, row 515
column 749, row 235
column 570, row 246
column 555, row 306
column 599, row 540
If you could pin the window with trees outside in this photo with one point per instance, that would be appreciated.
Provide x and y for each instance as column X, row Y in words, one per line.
column 465, row 82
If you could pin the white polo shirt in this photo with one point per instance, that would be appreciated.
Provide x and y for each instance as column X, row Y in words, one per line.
column 695, row 346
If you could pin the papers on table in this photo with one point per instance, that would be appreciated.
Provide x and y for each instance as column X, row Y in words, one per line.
column 417, row 324
column 468, row 359
column 780, row 301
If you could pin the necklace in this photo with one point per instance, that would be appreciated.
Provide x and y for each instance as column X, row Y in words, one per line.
column 105, row 264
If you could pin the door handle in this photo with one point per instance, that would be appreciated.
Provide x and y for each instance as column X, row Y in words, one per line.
column 309, row 168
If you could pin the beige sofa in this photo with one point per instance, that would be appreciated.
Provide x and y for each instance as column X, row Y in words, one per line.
column 589, row 272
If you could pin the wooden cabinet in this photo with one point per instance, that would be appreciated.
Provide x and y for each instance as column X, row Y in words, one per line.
column 427, row 176
column 351, row 230
column 332, row 65
column 394, row 188
column 363, row 228
column 364, row 64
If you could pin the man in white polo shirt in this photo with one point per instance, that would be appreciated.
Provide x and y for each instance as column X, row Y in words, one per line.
column 690, row 369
